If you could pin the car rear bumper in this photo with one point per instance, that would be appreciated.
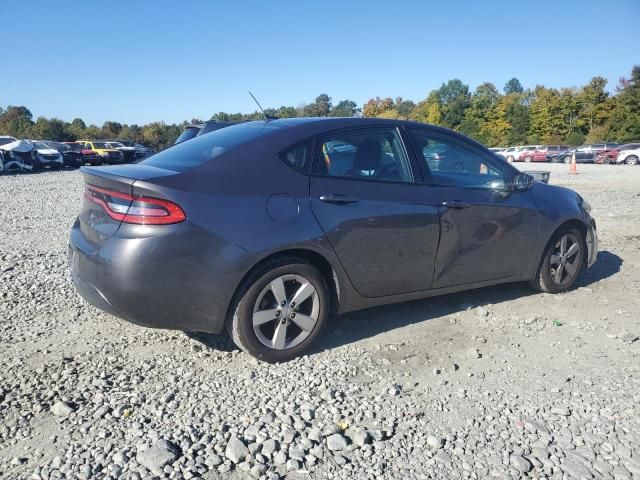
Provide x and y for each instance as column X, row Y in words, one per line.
column 152, row 281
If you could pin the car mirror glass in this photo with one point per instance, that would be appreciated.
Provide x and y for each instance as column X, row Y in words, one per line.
column 522, row 181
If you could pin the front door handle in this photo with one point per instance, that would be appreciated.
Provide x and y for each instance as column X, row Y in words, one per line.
column 457, row 204
column 337, row 198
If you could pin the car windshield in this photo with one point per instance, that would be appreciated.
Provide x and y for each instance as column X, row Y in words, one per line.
column 186, row 155
column 115, row 145
column 101, row 145
column 40, row 145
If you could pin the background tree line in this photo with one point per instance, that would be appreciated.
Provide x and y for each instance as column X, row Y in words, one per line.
column 516, row 115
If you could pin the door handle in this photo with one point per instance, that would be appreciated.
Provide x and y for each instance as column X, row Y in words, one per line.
column 455, row 204
column 337, row 198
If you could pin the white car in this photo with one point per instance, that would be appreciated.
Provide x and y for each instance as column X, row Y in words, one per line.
column 45, row 156
column 512, row 153
column 629, row 154
column 5, row 139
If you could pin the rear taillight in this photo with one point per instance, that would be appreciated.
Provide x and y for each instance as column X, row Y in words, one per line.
column 135, row 208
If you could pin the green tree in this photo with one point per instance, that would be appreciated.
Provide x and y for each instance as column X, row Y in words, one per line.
column 111, row 130
column 17, row 122
column 375, row 107
column 345, row 108
column 513, row 86
column 454, row 99
column 428, row 110
column 623, row 123
column 320, row 108
column 547, row 120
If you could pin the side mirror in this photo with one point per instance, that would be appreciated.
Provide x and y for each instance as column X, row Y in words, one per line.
column 522, row 181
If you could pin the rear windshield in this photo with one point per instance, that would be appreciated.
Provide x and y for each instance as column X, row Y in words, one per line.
column 183, row 156
column 187, row 134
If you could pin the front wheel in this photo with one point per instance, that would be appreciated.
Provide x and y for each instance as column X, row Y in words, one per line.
column 631, row 160
column 279, row 310
column 527, row 159
column 567, row 159
column 562, row 262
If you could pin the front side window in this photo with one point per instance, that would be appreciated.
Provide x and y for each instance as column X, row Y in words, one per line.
column 452, row 163
column 364, row 153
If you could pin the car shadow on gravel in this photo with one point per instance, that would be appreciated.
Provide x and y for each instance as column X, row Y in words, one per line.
column 355, row 326
column 607, row 264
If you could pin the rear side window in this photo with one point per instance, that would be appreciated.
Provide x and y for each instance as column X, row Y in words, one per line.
column 186, row 155
column 364, row 153
column 297, row 157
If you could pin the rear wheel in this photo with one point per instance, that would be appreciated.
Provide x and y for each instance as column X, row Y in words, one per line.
column 567, row 159
column 555, row 159
column 527, row 159
column 279, row 310
column 562, row 261
column 631, row 160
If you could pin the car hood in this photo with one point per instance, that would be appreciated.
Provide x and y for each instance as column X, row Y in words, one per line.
column 18, row 146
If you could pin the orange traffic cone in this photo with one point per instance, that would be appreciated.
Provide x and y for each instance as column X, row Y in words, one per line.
column 572, row 167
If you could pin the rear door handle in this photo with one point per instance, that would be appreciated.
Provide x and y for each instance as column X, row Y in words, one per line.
column 455, row 204
column 338, row 198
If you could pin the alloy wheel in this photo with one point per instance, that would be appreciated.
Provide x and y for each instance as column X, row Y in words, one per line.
column 632, row 160
column 565, row 259
column 286, row 312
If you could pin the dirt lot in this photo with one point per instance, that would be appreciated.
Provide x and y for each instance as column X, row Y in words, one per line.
column 500, row 382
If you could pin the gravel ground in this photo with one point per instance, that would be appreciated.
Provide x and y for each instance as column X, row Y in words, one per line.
column 499, row 382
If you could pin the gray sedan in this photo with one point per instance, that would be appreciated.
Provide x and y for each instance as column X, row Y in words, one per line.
column 267, row 228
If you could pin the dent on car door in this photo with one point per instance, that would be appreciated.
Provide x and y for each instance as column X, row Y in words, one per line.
column 488, row 231
column 380, row 223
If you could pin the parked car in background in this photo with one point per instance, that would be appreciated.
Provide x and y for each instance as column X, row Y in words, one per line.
column 497, row 149
column 267, row 228
column 526, row 153
column 129, row 153
column 585, row 153
column 512, row 153
column 45, row 156
column 193, row 130
column 630, row 156
column 87, row 156
column 106, row 153
column 71, row 157
column 141, row 150
column 626, row 153
column 549, row 153
column 5, row 139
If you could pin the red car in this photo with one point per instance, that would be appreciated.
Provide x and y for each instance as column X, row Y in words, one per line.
column 528, row 152
column 543, row 153
column 88, row 156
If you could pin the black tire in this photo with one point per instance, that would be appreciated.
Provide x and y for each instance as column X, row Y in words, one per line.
column 527, row 159
column 543, row 280
column 566, row 159
column 239, row 323
column 631, row 160
column 36, row 164
column 555, row 159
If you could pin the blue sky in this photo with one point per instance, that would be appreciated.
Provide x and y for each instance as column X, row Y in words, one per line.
column 138, row 61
